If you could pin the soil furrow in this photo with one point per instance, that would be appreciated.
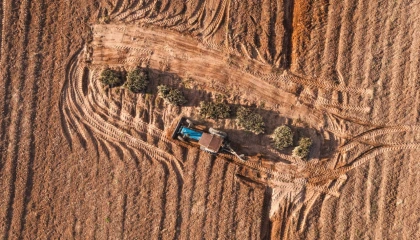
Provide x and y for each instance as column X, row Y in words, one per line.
column 400, row 47
column 388, row 194
column 189, row 186
column 37, row 59
column 358, row 226
column 212, row 175
column 232, row 216
column 344, row 210
column 215, row 198
column 414, row 60
column 198, row 206
column 384, row 80
column 6, row 56
column 345, row 42
column 329, row 58
column 163, row 207
column 13, row 221
column 45, row 79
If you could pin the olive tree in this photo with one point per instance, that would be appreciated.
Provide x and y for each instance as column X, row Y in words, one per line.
column 282, row 137
column 250, row 120
column 111, row 77
column 137, row 80
column 303, row 149
column 171, row 95
column 214, row 110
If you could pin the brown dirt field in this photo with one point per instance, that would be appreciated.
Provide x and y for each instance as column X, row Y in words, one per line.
column 80, row 161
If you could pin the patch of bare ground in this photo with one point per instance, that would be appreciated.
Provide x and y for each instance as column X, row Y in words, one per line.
column 370, row 45
column 82, row 161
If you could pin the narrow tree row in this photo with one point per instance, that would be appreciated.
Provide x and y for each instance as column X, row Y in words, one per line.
column 137, row 81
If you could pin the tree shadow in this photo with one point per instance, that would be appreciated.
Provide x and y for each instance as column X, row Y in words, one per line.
column 242, row 141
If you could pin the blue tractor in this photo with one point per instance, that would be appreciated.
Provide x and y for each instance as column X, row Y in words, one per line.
column 212, row 141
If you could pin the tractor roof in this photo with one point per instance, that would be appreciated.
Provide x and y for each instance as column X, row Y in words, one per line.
column 211, row 142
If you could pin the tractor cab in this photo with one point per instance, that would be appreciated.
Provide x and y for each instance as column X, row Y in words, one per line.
column 213, row 141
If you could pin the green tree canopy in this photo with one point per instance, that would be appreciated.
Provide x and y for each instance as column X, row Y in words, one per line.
column 137, row 80
column 171, row 95
column 214, row 110
column 303, row 149
column 250, row 120
column 283, row 137
column 111, row 77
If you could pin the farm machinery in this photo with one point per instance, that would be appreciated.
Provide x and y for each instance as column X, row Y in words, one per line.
column 213, row 141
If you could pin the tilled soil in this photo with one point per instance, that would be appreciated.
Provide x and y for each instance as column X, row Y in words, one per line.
column 81, row 161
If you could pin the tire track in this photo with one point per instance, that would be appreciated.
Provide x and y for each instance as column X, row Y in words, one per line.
column 33, row 105
column 358, row 58
column 307, row 208
column 358, row 220
column 211, row 231
column 361, row 159
column 199, row 195
column 6, row 56
column 332, row 36
column 373, row 53
column 345, row 39
column 414, row 61
column 343, row 211
column 149, row 213
column 12, row 221
column 118, row 7
column 188, row 190
column 137, row 15
column 194, row 18
column 400, row 47
column 102, row 127
column 165, row 193
column 137, row 187
column 178, row 210
column 233, row 213
column 136, row 5
column 386, row 110
column 215, row 22
column 369, row 136
column 214, row 178
column 384, row 78
column 126, row 192
column 49, row 17
column 310, row 61
column 387, row 188
column 327, row 217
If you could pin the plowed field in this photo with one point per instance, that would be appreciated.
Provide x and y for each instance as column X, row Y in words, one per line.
column 80, row 161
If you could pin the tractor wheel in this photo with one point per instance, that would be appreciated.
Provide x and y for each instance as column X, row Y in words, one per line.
column 217, row 132
column 180, row 138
